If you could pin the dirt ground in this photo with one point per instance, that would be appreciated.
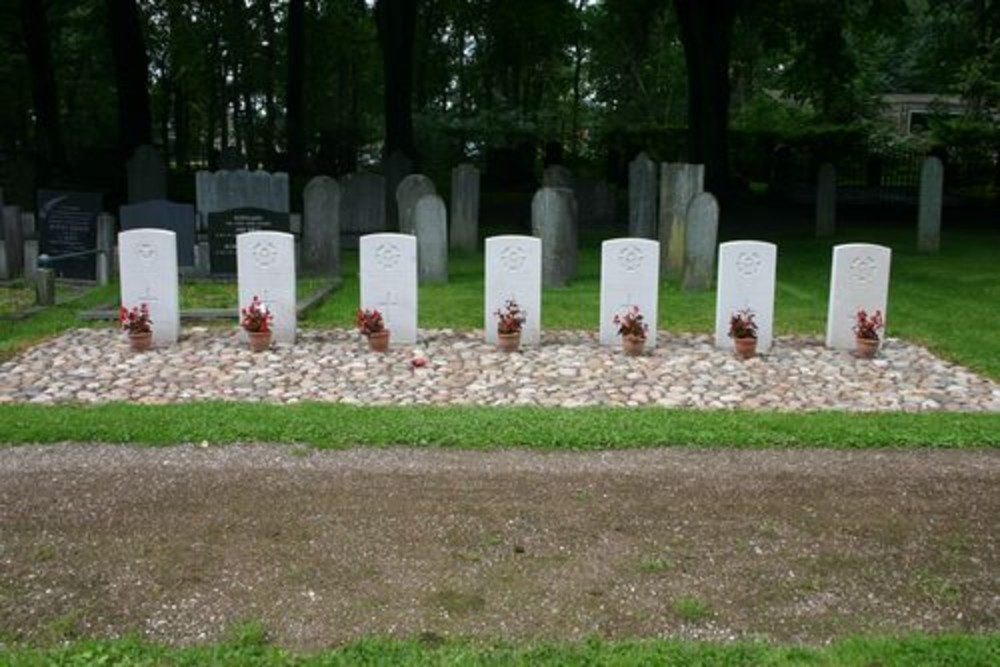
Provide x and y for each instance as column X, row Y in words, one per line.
column 181, row 543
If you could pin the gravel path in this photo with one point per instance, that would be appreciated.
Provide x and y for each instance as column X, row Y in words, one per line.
column 570, row 369
column 324, row 547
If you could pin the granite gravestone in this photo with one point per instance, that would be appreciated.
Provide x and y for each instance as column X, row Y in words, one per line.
column 679, row 185
column 931, row 200
column 362, row 207
column 162, row 214
column 147, row 175
column 147, row 262
column 409, row 192
column 321, row 227
column 552, row 222
column 514, row 272
column 464, row 208
column 225, row 226
column 700, row 235
column 67, row 223
column 746, row 281
column 642, row 198
column 630, row 276
column 431, row 222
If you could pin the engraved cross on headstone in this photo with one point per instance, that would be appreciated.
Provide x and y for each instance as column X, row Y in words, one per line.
column 387, row 306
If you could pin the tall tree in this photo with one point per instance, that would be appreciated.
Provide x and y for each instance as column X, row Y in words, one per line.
column 131, row 75
column 395, row 21
column 706, row 31
column 48, row 133
column 294, row 122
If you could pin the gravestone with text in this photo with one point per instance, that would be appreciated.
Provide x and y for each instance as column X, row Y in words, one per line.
column 321, row 227
column 552, row 221
column 514, row 272
column 931, row 200
column 746, row 281
column 642, row 198
column 267, row 270
column 388, row 278
column 431, row 222
column 225, row 226
column 409, row 192
column 680, row 183
column 67, row 224
column 700, row 237
column 362, row 207
column 147, row 175
column 859, row 280
column 162, row 214
column 147, row 264
column 465, row 208
column 630, row 276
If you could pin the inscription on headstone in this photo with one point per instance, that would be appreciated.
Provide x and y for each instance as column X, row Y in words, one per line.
column 225, row 226
column 67, row 223
column 630, row 275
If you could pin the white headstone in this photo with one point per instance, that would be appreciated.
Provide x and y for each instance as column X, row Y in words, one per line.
column 321, row 227
column 389, row 282
column 630, row 276
column 265, row 268
column 642, row 197
column 701, row 232
column 931, row 200
column 826, row 202
column 465, row 208
column 514, row 271
column 746, row 280
column 859, row 280
column 431, row 223
column 409, row 192
column 147, row 263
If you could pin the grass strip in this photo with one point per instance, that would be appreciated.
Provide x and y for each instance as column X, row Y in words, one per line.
column 252, row 649
column 335, row 425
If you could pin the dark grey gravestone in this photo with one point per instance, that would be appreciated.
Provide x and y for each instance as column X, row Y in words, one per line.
column 147, row 175
column 552, row 220
column 642, row 198
column 931, row 200
column 67, row 223
column 362, row 207
column 464, row 208
column 700, row 239
column 430, row 222
column 225, row 226
column 321, row 227
column 232, row 159
column 162, row 214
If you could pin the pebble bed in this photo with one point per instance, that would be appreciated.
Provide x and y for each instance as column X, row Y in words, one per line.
column 569, row 369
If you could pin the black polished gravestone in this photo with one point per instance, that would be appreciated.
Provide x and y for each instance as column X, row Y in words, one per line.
column 67, row 224
column 163, row 214
column 225, row 226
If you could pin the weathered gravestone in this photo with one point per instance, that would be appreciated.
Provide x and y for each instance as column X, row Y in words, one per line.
column 746, row 281
column 642, row 198
column 431, row 222
column 147, row 263
column 557, row 176
column 224, row 227
column 552, row 220
column 267, row 270
column 396, row 167
column 826, row 201
column 700, row 236
column 362, row 207
column 321, row 227
column 409, row 192
column 389, row 282
column 931, row 200
column 859, row 280
column 13, row 242
column 464, row 208
column 67, row 223
column 147, row 175
column 680, row 183
column 630, row 276
column 514, row 271
column 161, row 214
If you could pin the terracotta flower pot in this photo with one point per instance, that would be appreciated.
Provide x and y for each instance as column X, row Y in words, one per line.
column 633, row 345
column 866, row 348
column 140, row 342
column 509, row 342
column 259, row 340
column 744, row 348
column 379, row 341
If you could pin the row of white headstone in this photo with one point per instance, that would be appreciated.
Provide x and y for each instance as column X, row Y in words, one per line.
column 630, row 271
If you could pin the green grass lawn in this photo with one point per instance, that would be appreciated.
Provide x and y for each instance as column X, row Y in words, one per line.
column 249, row 647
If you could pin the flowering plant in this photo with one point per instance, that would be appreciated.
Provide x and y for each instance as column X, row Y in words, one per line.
column 256, row 318
column 369, row 322
column 135, row 321
column 741, row 324
column 866, row 326
column 510, row 318
column 630, row 323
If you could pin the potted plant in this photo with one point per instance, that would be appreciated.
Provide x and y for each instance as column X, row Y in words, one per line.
column 743, row 331
column 866, row 333
column 138, row 325
column 632, row 330
column 256, row 321
column 510, row 319
column 372, row 326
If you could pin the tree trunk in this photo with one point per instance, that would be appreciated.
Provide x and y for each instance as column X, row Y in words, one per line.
column 268, row 132
column 296, row 72
column 395, row 20
column 48, row 133
column 131, row 75
column 706, row 32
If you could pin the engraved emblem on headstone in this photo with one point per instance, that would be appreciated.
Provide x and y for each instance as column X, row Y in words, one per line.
column 146, row 252
column 630, row 258
column 264, row 254
column 863, row 268
column 387, row 256
column 748, row 263
column 512, row 258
